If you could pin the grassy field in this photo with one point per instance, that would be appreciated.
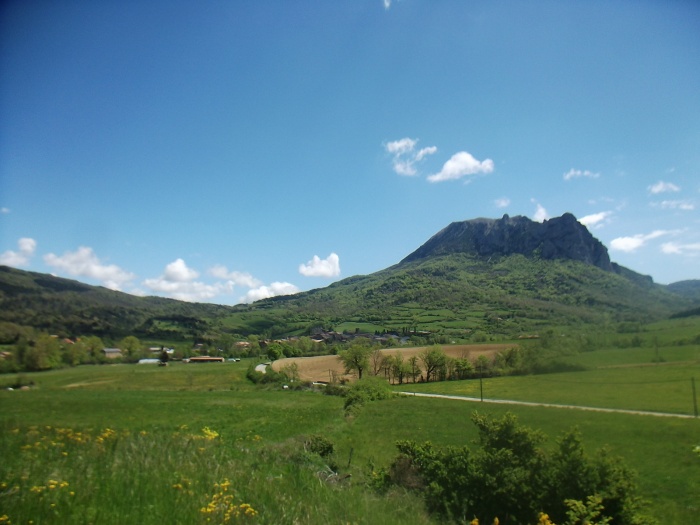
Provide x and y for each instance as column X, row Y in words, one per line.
column 199, row 444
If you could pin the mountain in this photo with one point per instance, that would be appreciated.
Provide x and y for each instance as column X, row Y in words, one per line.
column 475, row 279
column 559, row 238
column 689, row 289
column 71, row 308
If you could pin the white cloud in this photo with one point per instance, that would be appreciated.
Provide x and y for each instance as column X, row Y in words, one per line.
column 401, row 146
column 178, row 281
column 683, row 205
column 574, row 174
column 192, row 291
column 663, row 187
column 425, row 151
column 541, row 214
column 317, row 267
column 503, row 202
column 4, row 211
column 237, row 278
column 26, row 246
column 681, row 249
column 84, row 263
column 634, row 242
column 265, row 292
column 460, row 165
column 404, row 155
column 595, row 219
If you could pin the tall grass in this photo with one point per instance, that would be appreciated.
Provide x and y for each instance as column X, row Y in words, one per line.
column 122, row 444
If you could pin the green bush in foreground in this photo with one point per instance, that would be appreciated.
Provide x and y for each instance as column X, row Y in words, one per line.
column 512, row 478
column 367, row 389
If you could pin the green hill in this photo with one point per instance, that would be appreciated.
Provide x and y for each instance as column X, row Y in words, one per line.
column 459, row 294
column 475, row 279
column 69, row 308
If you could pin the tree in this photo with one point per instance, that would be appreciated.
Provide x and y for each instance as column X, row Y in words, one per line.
column 463, row 367
column 274, row 351
column 94, row 347
column 254, row 346
column 398, row 367
column 44, row 354
column 415, row 371
column 376, row 359
column 433, row 359
column 130, row 345
column 355, row 359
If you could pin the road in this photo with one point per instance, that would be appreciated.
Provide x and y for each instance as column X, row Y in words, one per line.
column 550, row 405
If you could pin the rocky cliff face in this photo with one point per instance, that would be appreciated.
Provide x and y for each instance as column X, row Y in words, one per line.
column 559, row 238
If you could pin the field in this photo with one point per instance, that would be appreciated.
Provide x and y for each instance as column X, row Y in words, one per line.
column 324, row 368
column 200, row 444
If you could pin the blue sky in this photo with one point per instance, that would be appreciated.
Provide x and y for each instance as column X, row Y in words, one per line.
column 227, row 151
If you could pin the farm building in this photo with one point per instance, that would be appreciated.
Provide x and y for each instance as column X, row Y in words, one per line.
column 112, row 353
column 204, row 359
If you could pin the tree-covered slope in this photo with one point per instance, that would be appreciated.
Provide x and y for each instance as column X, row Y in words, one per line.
column 70, row 308
column 512, row 295
column 508, row 276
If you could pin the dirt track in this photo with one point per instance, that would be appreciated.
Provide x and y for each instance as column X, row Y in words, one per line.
column 550, row 405
column 323, row 367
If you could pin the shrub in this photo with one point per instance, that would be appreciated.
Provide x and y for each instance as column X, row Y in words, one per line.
column 368, row 389
column 511, row 477
column 317, row 444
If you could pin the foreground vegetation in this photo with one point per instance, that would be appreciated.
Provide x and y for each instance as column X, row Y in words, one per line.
column 184, row 443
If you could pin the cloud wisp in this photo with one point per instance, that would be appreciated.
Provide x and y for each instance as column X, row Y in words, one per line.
column 273, row 290
column 683, row 205
column 632, row 243
column 676, row 248
column 596, row 220
column 237, row 278
column 25, row 251
column 577, row 174
column 502, row 202
column 84, row 263
column 462, row 164
column 663, row 187
column 541, row 213
column 317, row 267
column 405, row 157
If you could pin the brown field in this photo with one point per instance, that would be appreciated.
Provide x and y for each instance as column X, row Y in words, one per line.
column 323, row 368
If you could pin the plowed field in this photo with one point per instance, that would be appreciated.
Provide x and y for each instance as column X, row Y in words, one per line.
column 323, row 368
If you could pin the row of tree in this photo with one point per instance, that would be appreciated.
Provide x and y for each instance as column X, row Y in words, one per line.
column 432, row 364
column 45, row 352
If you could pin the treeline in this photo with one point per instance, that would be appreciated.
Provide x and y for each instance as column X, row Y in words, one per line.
column 363, row 358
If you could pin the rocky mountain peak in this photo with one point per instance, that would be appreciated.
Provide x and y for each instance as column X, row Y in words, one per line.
column 557, row 238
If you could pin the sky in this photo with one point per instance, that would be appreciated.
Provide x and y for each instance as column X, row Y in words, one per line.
column 228, row 151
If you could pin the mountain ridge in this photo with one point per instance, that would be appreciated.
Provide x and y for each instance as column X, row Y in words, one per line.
column 466, row 275
column 557, row 238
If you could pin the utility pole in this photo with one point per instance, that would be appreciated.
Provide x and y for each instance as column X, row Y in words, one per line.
column 481, row 382
column 695, row 399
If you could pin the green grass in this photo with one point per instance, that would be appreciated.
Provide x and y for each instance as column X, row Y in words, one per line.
column 659, row 388
column 156, row 465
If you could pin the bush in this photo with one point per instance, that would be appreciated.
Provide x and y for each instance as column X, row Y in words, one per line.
column 511, row 477
column 317, row 444
column 368, row 389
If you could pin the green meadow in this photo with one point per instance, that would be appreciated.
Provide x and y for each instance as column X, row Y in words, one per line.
column 200, row 444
